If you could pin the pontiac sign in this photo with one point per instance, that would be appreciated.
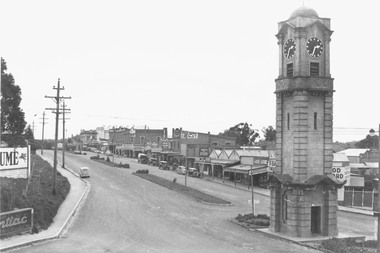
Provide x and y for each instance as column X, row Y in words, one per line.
column 15, row 222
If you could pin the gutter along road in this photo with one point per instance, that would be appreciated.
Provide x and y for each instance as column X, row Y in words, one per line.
column 125, row 213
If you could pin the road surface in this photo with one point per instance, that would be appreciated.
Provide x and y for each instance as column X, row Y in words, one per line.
column 124, row 213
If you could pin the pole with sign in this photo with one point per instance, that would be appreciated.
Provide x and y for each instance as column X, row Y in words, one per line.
column 253, row 198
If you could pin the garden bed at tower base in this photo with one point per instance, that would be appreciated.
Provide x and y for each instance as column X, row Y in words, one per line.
column 198, row 195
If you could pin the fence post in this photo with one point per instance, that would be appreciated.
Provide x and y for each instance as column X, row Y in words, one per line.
column 353, row 196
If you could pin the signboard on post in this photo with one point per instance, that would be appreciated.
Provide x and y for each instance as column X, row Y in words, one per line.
column 16, row 222
column 341, row 173
column 15, row 162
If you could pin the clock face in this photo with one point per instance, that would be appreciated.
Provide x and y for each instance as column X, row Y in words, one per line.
column 314, row 47
column 289, row 49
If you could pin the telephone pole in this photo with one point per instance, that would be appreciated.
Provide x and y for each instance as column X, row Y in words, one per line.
column 43, row 131
column 64, row 129
column 57, row 99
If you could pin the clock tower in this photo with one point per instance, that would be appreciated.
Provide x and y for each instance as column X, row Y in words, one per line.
column 303, row 191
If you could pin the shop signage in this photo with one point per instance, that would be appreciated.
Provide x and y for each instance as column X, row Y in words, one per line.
column 203, row 152
column 177, row 133
column 15, row 222
column 341, row 173
column 165, row 143
column 13, row 158
column 189, row 135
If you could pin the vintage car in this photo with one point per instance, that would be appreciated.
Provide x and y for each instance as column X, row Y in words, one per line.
column 193, row 172
column 142, row 158
column 153, row 162
column 84, row 172
column 163, row 165
column 181, row 170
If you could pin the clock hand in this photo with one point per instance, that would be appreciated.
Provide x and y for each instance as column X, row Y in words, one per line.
column 289, row 50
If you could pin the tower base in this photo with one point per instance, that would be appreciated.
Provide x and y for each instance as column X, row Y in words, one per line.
column 304, row 209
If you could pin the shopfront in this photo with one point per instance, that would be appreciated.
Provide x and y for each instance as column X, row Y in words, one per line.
column 242, row 174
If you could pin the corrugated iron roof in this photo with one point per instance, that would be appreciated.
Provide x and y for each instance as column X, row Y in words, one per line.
column 354, row 151
column 340, row 157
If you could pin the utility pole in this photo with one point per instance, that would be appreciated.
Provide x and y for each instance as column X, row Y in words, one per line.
column 1, row 96
column 57, row 100
column 64, row 129
column 377, row 210
column 43, row 131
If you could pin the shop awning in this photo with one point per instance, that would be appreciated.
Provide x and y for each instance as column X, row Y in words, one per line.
column 219, row 162
column 245, row 169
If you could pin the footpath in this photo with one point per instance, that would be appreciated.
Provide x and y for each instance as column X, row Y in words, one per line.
column 66, row 213
column 78, row 193
column 266, row 192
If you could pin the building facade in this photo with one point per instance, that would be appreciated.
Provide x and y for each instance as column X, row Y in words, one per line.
column 130, row 142
column 197, row 146
column 303, row 190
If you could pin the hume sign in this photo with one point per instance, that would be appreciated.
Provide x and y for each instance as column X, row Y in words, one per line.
column 15, row 162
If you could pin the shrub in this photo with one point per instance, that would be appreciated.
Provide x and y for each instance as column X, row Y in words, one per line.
column 108, row 159
column 143, row 171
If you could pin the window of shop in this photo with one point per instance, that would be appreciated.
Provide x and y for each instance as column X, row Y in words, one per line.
column 158, row 139
column 215, row 143
column 142, row 139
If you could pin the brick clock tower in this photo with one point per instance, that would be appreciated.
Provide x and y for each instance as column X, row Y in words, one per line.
column 303, row 190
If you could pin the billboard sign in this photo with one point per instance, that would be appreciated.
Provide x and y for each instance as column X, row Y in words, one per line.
column 341, row 173
column 15, row 222
column 13, row 158
column 189, row 135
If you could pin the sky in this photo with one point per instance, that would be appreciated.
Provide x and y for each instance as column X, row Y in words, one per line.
column 203, row 65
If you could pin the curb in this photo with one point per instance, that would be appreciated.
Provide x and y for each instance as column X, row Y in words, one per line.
column 234, row 187
column 65, row 225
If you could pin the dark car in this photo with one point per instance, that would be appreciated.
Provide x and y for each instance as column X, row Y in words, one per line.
column 193, row 172
column 153, row 162
column 142, row 158
column 163, row 165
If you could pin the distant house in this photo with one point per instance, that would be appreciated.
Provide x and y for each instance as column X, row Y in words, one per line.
column 354, row 154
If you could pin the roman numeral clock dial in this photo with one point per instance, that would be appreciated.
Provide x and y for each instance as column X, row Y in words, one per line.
column 314, row 47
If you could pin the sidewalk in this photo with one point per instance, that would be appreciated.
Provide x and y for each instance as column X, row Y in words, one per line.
column 266, row 192
column 66, row 213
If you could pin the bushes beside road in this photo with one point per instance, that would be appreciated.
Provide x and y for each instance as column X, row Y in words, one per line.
column 38, row 194
column 108, row 162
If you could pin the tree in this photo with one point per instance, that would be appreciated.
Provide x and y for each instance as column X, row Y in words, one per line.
column 269, row 133
column 12, row 116
column 243, row 133
column 368, row 142
column 29, row 136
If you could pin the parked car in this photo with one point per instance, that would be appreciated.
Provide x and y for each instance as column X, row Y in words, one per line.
column 163, row 165
column 142, row 158
column 193, row 172
column 153, row 162
column 181, row 170
column 84, row 172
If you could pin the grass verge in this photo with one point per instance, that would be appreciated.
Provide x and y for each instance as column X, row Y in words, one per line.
column 38, row 194
column 198, row 195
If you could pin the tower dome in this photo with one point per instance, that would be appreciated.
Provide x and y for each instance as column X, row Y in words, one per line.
column 304, row 12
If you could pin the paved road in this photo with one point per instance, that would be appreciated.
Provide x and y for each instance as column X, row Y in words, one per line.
column 124, row 213
column 348, row 223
